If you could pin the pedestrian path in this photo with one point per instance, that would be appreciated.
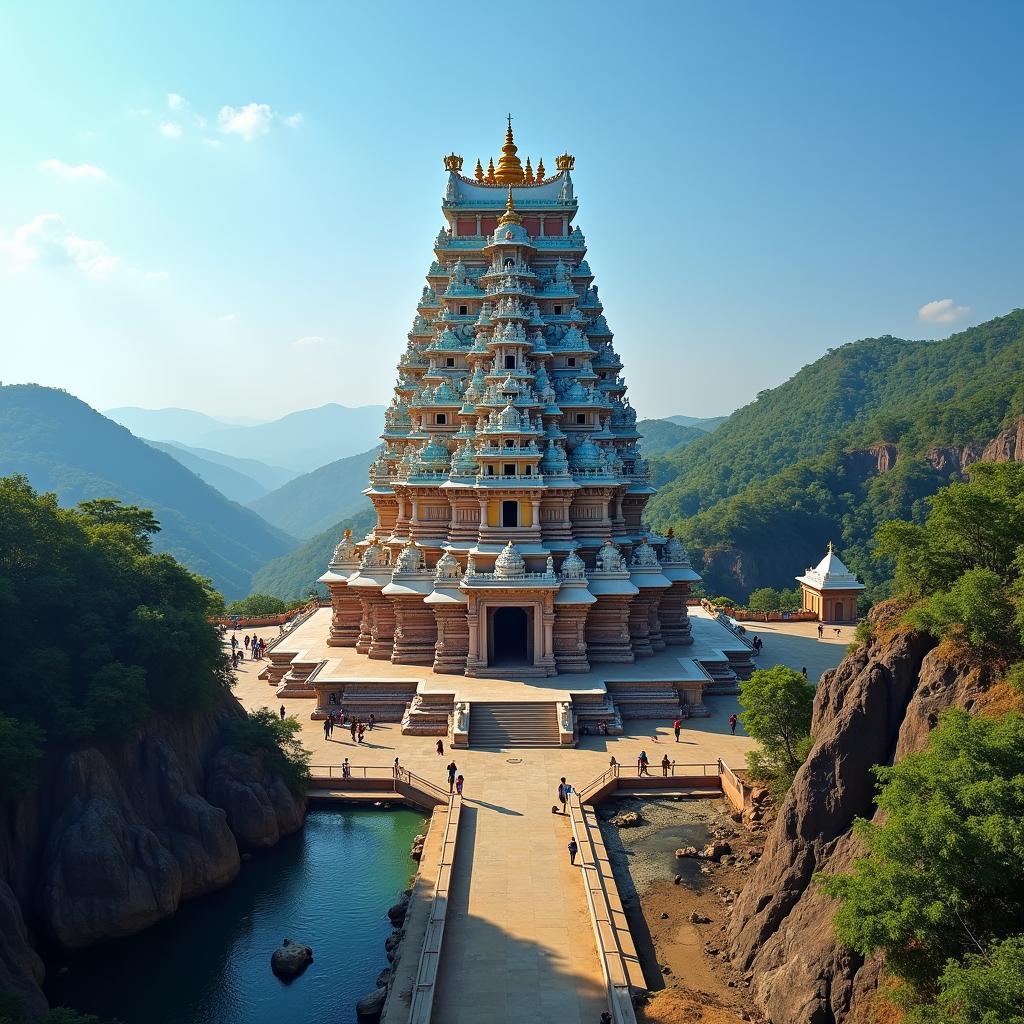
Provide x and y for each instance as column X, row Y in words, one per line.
column 519, row 946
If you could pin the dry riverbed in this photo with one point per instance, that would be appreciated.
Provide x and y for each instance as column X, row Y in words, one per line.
column 678, row 907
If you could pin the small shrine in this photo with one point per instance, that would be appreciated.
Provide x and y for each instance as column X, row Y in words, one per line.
column 830, row 590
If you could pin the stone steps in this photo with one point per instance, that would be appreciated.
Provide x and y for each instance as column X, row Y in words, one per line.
column 513, row 725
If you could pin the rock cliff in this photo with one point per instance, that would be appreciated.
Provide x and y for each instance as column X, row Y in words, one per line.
column 117, row 836
column 878, row 705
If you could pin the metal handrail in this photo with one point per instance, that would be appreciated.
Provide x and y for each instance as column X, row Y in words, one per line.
column 382, row 772
column 619, row 771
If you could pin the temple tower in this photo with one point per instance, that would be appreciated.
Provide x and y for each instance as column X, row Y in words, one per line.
column 510, row 490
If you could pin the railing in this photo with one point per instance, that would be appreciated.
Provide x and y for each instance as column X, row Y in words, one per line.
column 422, row 1004
column 620, row 772
column 396, row 775
column 602, row 917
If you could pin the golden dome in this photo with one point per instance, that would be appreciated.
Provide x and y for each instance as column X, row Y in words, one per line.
column 511, row 215
column 509, row 170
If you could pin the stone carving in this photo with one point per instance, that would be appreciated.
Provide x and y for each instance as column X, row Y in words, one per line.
column 447, row 568
column 645, row 556
column 573, row 567
column 565, row 716
column 410, row 558
column 461, row 717
column 375, row 557
column 346, row 551
column 509, row 564
column 609, row 558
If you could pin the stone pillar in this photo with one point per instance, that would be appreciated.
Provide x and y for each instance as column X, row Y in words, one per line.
column 382, row 627
column 452, row 644
column 570, row 637
column 346, row 615
column 365, row 623
column 654, row 622
column 674, row 616
column 415, row 632
column 607, row 630
column 640, row 624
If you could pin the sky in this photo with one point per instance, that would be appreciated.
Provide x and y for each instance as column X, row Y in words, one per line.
column 231, row 207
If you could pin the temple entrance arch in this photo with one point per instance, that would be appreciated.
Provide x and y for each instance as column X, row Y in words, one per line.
column 510, row 637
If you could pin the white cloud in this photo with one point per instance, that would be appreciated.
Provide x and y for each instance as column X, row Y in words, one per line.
column 227, row 318
column 74, row 172
column 176, row 102
column 309, row 341
column 250, row 121
column 942, row 311
column 170, row 130
column 46, row 242
column 292, row 120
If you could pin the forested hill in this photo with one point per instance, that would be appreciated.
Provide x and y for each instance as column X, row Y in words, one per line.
column 63, row 445
column 861, row 435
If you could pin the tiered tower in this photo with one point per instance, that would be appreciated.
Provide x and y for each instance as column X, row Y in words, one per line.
column 510, row 490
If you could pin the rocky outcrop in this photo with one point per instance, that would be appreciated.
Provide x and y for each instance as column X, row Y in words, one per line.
column 290, row 959
column 117, row 836
column 1007, row 445
column 879, row 704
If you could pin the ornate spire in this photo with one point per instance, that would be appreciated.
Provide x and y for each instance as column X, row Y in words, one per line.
column 510, row 170
column 529, row 172
column 565, row 162
column 510, row 216
column 479, row 172
column 453, row 162
column 540, row 169
column 490, row 172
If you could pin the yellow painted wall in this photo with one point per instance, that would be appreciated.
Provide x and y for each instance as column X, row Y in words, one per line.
column 525, row 513
column 493, row 513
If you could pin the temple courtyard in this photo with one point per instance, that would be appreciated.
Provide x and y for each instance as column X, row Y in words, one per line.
column 518, row 944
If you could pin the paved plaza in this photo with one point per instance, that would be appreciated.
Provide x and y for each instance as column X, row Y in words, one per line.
column 519, row 944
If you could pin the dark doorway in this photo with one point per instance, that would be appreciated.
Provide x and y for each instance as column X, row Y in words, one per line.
column 510, row 509
column 511, row 636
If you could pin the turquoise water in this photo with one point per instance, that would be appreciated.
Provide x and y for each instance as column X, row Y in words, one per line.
column 329, row 887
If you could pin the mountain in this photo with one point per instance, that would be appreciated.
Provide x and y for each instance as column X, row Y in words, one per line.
column 706, row 425
column 864, row 434
column 175, row 424
column 303, row 440
column 63, row 445
column 661, row 436
column 310, row 503
column 232, row 484
column 268, row 477
column 292, row 575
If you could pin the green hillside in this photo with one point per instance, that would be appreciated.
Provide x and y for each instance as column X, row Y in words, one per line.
column 311, row 503
column 63, row 445
column 758, row 499
column 706, row 424
column 232, row 484
column 292, row 575
column 661, row 436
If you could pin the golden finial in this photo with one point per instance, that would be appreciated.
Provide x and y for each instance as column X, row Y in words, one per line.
column 453, row 163
column 348, row 535
column 490, row 172
column 830, row 547
column 565, row 162
column 510, row 170
column 529, row 172
column 479, row 172
column 540, row 169
column 510, row 216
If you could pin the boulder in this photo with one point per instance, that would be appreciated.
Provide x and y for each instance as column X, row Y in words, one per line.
column 627, row 819
column 290, row 959
column 716, row 850
column 396, row 914
column 371, row 1006
column 687, row 851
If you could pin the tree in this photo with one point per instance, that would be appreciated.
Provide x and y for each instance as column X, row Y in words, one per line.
column 777, row 705
column 943, row 877
column 764, row 599
column 21, row 749
column 275, row 738
column 257, row 604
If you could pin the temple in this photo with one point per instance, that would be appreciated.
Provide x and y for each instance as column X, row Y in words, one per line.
column 510, row 488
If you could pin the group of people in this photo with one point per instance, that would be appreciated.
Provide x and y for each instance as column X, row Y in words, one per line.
column 455, row 780
column 356, row 727
column 254, row 646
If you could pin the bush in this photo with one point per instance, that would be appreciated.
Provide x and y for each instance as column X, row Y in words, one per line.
column 764, row 599
column 257, row 604
column 277, row 739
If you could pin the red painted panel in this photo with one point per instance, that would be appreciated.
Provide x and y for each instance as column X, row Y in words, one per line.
column 553, row 226
column 532, row 225
column 488, row 224
column 467, row 226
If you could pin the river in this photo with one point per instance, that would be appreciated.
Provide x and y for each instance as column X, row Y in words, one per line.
column 329, row 886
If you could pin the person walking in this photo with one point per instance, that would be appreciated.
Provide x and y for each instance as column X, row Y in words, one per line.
column 346, row 769
column 234, row 639
column 733, row 719
column 459, row 783
column 371, row 720
column 613, row 764
column 821, row 630
column 677, row 728
column 665, row 765
column 440, row 747
column 452, row 772
column 327, row 728
column 561, row 793
column 362, row 732
column 247, row 641
column 642, row 763
column 573, row 850
column 353, row 725
column 282, row 712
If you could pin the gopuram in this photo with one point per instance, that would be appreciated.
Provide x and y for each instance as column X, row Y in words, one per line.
column 510, row 488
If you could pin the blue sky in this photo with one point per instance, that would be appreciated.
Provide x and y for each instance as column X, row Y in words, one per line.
column 230, row 207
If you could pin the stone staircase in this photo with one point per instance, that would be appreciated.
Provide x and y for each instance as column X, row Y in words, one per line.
column 513, row 725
